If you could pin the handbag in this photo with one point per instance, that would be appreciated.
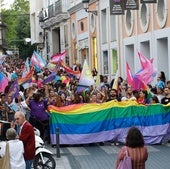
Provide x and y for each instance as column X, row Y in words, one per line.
column 126, row 163
column 5, row 160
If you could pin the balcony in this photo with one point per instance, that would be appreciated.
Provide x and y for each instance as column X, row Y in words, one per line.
column 54, row 14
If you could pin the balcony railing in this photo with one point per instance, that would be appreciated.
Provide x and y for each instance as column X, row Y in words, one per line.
column 56, row 8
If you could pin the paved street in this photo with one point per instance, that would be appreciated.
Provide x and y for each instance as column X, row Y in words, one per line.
column 104, row 157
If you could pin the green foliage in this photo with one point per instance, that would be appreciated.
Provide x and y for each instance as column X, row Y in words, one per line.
column 9, row 20
column 17, row 20
column 21, row 6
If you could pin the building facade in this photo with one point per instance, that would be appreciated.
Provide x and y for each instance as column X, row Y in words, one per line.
column 146, row 30
column 50, row 26
column 106, row 41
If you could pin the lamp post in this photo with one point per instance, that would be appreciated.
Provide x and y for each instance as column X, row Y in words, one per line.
column 27, row 40
column 86, row 7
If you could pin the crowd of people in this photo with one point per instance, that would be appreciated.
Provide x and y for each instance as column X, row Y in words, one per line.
column 34, row 100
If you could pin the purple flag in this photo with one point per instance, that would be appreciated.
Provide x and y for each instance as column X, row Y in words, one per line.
column 14, row 89
column 50, row 78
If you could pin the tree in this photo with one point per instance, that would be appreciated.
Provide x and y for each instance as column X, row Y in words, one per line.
column 17, row 20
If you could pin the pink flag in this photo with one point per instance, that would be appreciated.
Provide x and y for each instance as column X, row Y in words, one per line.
column 146, row 75
column 145, row 62
column 138, row 84
column 148, row 71
column 129, row 75
column 57, row 57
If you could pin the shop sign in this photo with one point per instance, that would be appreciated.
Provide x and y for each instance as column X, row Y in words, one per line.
column 117, row 7
column 131, row 5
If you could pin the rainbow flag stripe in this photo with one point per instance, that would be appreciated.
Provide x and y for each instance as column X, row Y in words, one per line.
column 90, row 123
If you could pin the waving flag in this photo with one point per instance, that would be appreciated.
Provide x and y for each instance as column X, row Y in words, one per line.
column 51, row 67
column 115, row 84
column 14, row 89
column 148, row 71
column 145, row 62
column 138, row 84
column 65, row 79
column 37, row 60
column 81, row 88
column 86, row 77
column 91, row 123
column 27, row 85
column 69, row 70
column 27, row 77
column 129, row 75
column 57, row 78
column 57, row 57
column 27, row 65
column 3, row 82
column 143, row 76
column 50, row 78
column 2, row 59
column 26, row 68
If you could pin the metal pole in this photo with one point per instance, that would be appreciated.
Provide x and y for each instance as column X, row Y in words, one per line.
column 57, row 143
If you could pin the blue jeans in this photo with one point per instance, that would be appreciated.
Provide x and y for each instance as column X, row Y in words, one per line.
column 28, row 164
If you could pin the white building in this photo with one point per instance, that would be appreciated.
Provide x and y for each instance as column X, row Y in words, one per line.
column 49, row 26
column 106, row 41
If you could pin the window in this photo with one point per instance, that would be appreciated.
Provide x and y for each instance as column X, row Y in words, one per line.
column 162, row 12
column 129, row 22
column 105, row 62
column 92, row 23
column 115, row 61
column 144, row 17
column 82, row 26
column 73, row 30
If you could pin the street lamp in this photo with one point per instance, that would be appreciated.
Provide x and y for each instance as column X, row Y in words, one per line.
column 86, row 7
column 27, row 40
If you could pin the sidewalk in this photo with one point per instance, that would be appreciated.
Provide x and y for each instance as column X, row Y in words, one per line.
column 104, row 157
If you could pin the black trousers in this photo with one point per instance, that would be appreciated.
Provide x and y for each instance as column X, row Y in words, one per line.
column 42, row 126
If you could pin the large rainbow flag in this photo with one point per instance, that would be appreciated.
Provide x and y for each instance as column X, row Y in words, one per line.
column 90, row 123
